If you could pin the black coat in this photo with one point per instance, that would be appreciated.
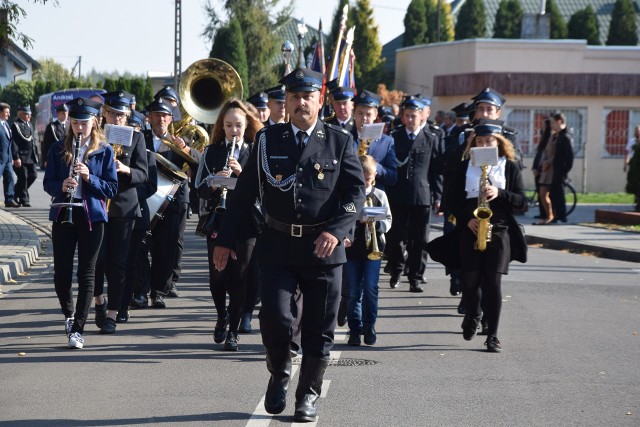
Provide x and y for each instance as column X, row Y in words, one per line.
column 24, row 143
column 54, row 132
column 349, row 125
column 419, row 180
column 125, row 204
column 323, row 184
column 563, row 157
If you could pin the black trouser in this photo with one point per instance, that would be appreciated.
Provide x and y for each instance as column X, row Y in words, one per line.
column 165, row 251
column 231, row 280
column 483, row 287
column 137, row 275
column 320, row 286
column 253, row 283
column 410, row 225
column 88, row 238
column 558, row 202
column 113, row 260
column 27, row 175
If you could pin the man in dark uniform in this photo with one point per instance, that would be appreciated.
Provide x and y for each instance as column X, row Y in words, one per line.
column 259, row 100
column 419, row 187
column 169, row 96
column 6, row 157
column 165, row 252
column 341, row 101
column 275, row 103
column 55, row 131
column 25, row 155
column 312, row 190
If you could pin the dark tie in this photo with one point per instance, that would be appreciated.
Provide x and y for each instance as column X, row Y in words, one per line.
column 301, row 135
column 412, row 137
column 343, row 125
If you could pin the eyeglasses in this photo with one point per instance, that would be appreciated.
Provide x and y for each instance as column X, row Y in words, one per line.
column 116, row 114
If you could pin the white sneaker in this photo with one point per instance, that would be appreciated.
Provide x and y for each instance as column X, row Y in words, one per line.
column 75, row 340
column 68, row 324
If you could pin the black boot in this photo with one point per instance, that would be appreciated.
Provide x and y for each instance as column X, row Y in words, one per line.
column 220, row 330
column 309, row 388
column 279, row 365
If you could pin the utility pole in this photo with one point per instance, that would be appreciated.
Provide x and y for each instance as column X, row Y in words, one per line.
column 177, row 64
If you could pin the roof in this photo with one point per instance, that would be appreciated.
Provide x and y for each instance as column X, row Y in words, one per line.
column 603, row 9
column 289, row 31
column 389, row 52
column 15, row 48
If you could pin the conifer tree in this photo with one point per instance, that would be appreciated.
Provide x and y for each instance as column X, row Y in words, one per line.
column 556, row 22
column 367, row 48
column 228, row 45
column 623, row 30
column 472, row 20
column 583, row 25
column 415, row 24
column 446, row 21
column 508, row 22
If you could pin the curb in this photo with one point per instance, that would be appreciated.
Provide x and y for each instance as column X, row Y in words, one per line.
column 597, row 251
column 23, row 249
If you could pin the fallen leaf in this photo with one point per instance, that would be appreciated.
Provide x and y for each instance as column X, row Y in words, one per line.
column 24, row 273
column 22, row 354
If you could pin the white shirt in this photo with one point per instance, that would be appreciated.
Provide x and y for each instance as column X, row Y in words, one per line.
column 307, row 132
column 496, row 177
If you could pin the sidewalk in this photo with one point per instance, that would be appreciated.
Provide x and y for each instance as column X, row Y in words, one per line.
column 19, row 245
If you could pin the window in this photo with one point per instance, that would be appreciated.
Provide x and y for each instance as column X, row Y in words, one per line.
column 528, row 122
column 619, row 126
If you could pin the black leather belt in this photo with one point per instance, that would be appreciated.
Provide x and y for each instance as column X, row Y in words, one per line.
column 294, row 230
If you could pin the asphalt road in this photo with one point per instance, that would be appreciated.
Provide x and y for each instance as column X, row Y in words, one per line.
column 570, row 332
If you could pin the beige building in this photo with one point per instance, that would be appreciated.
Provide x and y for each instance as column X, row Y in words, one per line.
column 598, row 89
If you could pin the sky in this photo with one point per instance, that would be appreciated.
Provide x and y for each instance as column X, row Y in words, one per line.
column 137, row 35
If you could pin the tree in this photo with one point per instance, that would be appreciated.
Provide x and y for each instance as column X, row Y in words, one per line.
column 623, row 30
column 10, row 16
column 367, row 48
column 508, row 22
column 51, row 70
column 556, row 22
column 18, row 93
column 446, row 21
column 584, row 25
column 231, row 35
column 472, row 21
column 415, row 24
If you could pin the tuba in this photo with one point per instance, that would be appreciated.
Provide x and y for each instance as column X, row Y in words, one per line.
column 483, row 214
column 205, row 86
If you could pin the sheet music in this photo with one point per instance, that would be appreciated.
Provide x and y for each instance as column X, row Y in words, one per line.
column 484, row 156
column 122, row 135
column 372, row 131
column 374, row 212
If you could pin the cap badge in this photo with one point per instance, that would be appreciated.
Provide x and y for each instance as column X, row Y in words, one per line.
column 362, row 95
column 80, row 102
column 299, row 74
column 121, row 94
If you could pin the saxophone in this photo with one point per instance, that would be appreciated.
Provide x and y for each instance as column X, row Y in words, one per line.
column 483, row 214
column 363, row 147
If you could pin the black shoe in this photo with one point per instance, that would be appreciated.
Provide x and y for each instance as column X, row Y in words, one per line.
column 231, row 343
column 28, row 205
column 395, row 280
column 461, row 307
column 470, row 327
column 370, row 335
column 354, row 338
column 122, row 316
column 173, row 291
column 101, row 314
column 109, row 326
column 279, row 366
column 342, row 312
column 415, row 287
column 139, row 301
column 11, row 204
column 245, row 324
column 454, row 286
column 220, row 331
column 493, row 345
column 158, row 302
column 484, row 327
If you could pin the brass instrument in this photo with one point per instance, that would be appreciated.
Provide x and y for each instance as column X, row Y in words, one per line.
column 205, row 86
column 363, row 147
column 372, row 238
column 222, row 204
column 483, row 214
column 67, row 218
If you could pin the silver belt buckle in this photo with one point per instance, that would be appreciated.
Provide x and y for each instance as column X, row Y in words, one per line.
column 296, row 230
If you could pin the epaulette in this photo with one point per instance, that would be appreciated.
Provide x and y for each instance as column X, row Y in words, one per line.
column 338, row 129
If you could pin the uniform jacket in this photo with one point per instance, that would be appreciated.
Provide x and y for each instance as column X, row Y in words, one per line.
column 182, row 195
column 6, row 146
column 146, row 190
column 349, row 125
column 563, row 158
column 419, row 182
column 102, row 185
column 125, row 204
column 55, row 131
column 24, row 142
column 324, row 184
column 384, row 152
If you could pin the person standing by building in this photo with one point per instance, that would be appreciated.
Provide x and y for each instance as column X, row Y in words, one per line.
column 25, row 155
column 6, row 157
column 562, row 164
column 312, row 189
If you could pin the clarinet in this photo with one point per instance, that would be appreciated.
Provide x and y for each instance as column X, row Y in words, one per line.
column 67, row 216
column 222, row 205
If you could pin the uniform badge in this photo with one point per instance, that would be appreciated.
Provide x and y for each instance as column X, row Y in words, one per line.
column 335, row 162
column 278, row 177
column 320, row 133
column 320, row 176
column 319, row 169
column 299, row 74
column 80, row 102
column 317, row 166
column 349, row 207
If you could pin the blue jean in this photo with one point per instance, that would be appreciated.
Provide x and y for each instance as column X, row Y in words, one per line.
column 362, row 305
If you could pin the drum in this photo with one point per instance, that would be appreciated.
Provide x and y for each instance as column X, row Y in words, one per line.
column 170, row 177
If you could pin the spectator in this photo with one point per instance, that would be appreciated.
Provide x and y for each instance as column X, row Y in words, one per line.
column 6, row 157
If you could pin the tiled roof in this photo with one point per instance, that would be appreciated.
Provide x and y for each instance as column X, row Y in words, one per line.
column 603, row 9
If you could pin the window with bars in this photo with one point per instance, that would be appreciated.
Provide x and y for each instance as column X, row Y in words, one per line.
column 619, row 125
column 529, row 123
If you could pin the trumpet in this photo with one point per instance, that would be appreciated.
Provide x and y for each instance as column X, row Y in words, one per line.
column 67, row 218
column 222, row 204
column 371, row 236
column 483, row 214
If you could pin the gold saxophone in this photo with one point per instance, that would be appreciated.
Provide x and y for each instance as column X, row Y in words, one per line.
column 363, row 147
column 483, row 214
column 372, row 240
